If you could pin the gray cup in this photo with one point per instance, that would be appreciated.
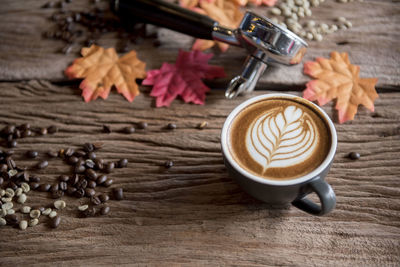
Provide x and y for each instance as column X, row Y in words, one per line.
column 293, row 191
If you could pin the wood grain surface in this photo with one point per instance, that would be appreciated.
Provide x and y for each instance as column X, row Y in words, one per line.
column 193, row 213
column 372, row 43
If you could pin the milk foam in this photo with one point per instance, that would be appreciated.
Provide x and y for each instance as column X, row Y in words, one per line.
column 282, row 137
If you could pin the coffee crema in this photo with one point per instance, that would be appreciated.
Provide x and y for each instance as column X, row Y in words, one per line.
column 279, row 138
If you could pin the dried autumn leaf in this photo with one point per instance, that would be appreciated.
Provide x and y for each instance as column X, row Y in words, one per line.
column 102, row 69
column 184, row 78
column 338, row 78
column 226, row 12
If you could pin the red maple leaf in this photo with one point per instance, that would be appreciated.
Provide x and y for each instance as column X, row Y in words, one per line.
column 184, row 78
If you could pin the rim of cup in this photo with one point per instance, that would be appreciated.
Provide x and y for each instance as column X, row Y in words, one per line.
column 299, row 180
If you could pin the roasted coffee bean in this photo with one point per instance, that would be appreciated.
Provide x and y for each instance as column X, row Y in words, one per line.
column 32, row 154
column 79, row 169
column 34, row 179
column 89, row 212
column 69, row 152
column 92, row 184
column 142, row 125
column 354, row 155
column 17, row 134
column 109, row 167
column 79, row 193
column 99, row 164
column 13, row 143
column 9, row 138
column 108, row 182
column 55, row 222
column 25, row 126
column 128, row 130
column 104, row 197
column 26, row 133
column 91, row 155
column 63, row 178
column 168, row 164
column 95, row 200
column 52, row 129
column 71, row 190
column 89, row 192
column 42, row 131
column 34, row 185
column 171, row 126
column 90, row 163
column 12, row 219
column 91, row 174
column 1, row 181
column 88, row 147
column 63, row 186
column 106, row 129
column 23, row 176
column 3, row 167
column 10, row 163
column 57, row 194
column 73, row 180
column 13, row 185
column 44, row 187
column 122, row 163
column 118, row 193
column 54, row 188
column 101, row 179
column 105, row 210
column 49, row 5
column 43, row 164
column 202, row 125
column 52, row 154
column 73, row 160
column 80, row 153
column 82, row 183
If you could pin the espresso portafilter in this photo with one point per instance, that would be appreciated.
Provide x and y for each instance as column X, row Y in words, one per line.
column 265, row 42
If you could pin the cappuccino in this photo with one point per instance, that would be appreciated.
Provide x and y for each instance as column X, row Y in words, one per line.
column 279, row 138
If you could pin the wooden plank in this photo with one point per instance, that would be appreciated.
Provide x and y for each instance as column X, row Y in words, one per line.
column 193, row 213
column 371, row 43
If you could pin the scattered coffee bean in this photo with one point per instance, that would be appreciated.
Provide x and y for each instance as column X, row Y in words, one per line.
column 43, row 164
column 10, row 163
column 89, row 192
column 73, row 160
column 42, row 131
column 2, row 221
column 46, row 212
column 128, row 130
column 202, row 125
column 69, row 152
column 89, row 212
column 44, row 187
column 354, row 155
column 55, row 222
column 22, row 199
column 171, row 126
column 26, row 209
column 60, row 204
column 23, row 224
column 12, row 219
column 99, row 164
column 63, row 178
column 25, row 187
column 168, row 164
column 105, row 210
column 34, row 185
column 71, row 190
column 80, row 153
column 54, row 188
column 32, row 154
column 108, row 182
column 63, row 186
column 8, row 205
column 91, row 184
column 18, row 192
column 34, row 214
column 53, row 214
column 90, row 164
column 142, row 125
column 12, row 143
column 3, row 167
column 33, row 222
column 79, row 193
column 83, row 207
column 104, row 197
column 52, row 154
column 74, row 179
column 91, row 155
column 9, row 129
column 88, row 147
column 118, row 193
column 10, row 211
column 34, row 179
column 106, row 129
column 122, row 163
column 91, row 174
column 109, row 167
column 52, row 129
column 95, row 200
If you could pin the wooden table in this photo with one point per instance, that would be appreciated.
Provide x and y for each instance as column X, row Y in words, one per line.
column 193, row 213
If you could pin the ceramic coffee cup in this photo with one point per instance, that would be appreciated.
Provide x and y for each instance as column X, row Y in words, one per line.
column 298, row 179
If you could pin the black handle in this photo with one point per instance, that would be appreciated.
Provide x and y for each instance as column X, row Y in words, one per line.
column 166, row 15
column 326, row 196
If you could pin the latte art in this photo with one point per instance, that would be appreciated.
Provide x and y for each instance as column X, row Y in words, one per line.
column 282, row 137
column 279, row 138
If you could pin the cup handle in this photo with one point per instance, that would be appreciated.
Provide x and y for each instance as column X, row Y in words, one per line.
column 325, row 194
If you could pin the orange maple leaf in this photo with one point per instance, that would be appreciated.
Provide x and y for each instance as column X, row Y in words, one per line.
column 338, row 78
column 227, row 13
column 102, row 69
